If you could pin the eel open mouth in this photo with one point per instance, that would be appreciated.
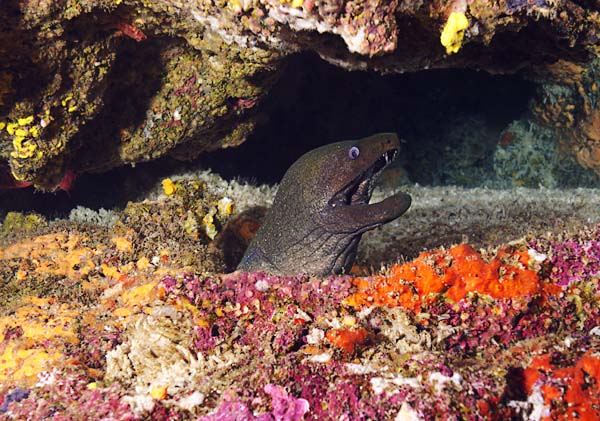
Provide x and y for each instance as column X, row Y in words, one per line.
column 359, row 190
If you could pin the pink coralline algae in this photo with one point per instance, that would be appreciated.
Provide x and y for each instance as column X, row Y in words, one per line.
column 573, row 259
column 273, row 309
column 244, row 288
column 284, row 408
column 63, row 397
column 477, row 324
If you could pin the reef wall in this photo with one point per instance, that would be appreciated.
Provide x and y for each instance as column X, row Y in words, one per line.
column 90, row 85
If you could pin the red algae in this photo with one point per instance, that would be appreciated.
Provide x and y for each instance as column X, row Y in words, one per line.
column 455, row 272
column 572, row 392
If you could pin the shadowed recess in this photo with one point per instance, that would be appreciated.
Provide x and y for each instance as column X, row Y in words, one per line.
column 316, row 103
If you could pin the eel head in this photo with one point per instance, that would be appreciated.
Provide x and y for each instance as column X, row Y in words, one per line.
column 348, row 209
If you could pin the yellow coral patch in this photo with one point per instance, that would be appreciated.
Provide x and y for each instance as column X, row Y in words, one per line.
column 235, row 6
column 10, row 128
column 209, row 226
column 454, row 32
column 110, row 271
column 123, row 312
column 225, row 206
column 38, row 301
column 39, row 320
column 23, row 365
column 159, row 392
column 194, row 310
column 168, row 186
column 23, row 148
column 25, row 121
column 65, row 101
column 123, row 244
column 139, row 295
column 142, row 263
column 53, row 254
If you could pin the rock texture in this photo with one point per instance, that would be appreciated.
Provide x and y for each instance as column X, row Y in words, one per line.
column 90, row 85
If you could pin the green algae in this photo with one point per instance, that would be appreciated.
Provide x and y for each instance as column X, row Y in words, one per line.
column 17, row 221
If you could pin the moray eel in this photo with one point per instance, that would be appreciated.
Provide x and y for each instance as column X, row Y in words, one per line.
column 322, row 208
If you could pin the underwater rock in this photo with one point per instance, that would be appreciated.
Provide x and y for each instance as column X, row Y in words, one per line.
column 90, row 85
column 568, row 104
column 528, row 154
column 85, row 90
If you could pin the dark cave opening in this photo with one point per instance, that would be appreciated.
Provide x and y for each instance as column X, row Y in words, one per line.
column 315, row 103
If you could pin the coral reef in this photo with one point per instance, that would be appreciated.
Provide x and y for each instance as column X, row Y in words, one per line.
column 127, row 313
column 100, row 321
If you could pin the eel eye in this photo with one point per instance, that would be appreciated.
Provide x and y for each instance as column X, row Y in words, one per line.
column 353, row 152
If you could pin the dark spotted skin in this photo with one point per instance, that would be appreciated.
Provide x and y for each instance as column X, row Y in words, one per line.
column 321, row 209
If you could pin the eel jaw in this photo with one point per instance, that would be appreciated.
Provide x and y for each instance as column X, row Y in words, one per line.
column 359, row 190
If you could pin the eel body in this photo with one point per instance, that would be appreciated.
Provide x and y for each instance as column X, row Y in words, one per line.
column 322, row 208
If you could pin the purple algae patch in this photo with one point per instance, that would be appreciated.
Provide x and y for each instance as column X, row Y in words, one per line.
column 16, row 395
column 274, row 310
